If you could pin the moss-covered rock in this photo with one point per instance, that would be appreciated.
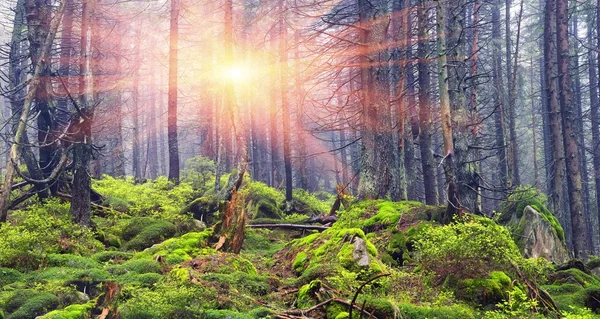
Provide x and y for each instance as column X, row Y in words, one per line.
column 143, row 232
column 485, row 291
column 307, row 294
column 535, row 229
column 77, row 311
column 28, row 304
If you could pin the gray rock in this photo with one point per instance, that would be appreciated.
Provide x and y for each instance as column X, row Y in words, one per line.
column 200, row 225
column 360, row 253
column 537, row 238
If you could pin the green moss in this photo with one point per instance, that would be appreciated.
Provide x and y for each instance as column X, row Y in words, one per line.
column 144, row 280
column 29, row 306
column 69, row 260
column 71, row 312
column 144, row 232
column 306, row 294
column 257, row 285
column 513, row 208
column 68, row 274
column 300, row 262
column 409, row 311
column 594, row 262
column 8, row 276
column 112, row 256
column 177, row 250
column 140, row 266
column 243, row 265
column 484, row 291
column 224, row 314
column 574, row 275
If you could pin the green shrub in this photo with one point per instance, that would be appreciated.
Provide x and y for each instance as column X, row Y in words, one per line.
column 470, row 248
column 199, row 172
column 8, row 276
column 159, row 198
column 39, row 230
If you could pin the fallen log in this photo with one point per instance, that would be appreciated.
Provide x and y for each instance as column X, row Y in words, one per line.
column 289, row 226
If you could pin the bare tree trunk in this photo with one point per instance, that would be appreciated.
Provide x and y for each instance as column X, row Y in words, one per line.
column 285, row 110
column 498, row 100
column 569, row 139
column 275, row 177
column 136, row 160
column 511, row 73
column 453, row 199
column 466, row 168
column 82, row 151
column 172, row 107
column 425, row 109
column 594, row 110
column 152, row 152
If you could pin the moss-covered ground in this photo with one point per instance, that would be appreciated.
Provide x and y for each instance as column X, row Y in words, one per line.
column 146, row 257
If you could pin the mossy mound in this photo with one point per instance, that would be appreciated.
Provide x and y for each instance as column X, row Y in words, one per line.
column 9, row 275
column 330, row 255
column 574, row 276
column 180, row 249
column 263, row 201
column 485, row 291
column 143, row 232
column 28, row 304
column 77, row 311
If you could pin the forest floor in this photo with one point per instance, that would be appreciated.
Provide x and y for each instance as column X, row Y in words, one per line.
column 148, row 255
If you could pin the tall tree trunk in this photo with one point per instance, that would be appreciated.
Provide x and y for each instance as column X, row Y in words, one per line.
column 172, row 105
column 152, row 136
column 466, row 168
column 594, row 108
column 82, row 151
column 580, row 134
column 275, row 177
column 301, row 135
column 425, row 109
column 558, row 162
column 412, row 130
column 498, row 100
column 511, row 72
column 136, row 157
column 453, row 194
column 285, row 108
column 569, row 139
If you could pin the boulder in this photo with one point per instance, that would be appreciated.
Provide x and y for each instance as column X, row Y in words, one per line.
column 360, row 253
column 537, row 237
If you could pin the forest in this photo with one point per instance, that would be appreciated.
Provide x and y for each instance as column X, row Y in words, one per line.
column 238, row 159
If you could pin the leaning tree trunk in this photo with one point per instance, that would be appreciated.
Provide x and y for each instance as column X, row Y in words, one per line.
column 22, row 126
